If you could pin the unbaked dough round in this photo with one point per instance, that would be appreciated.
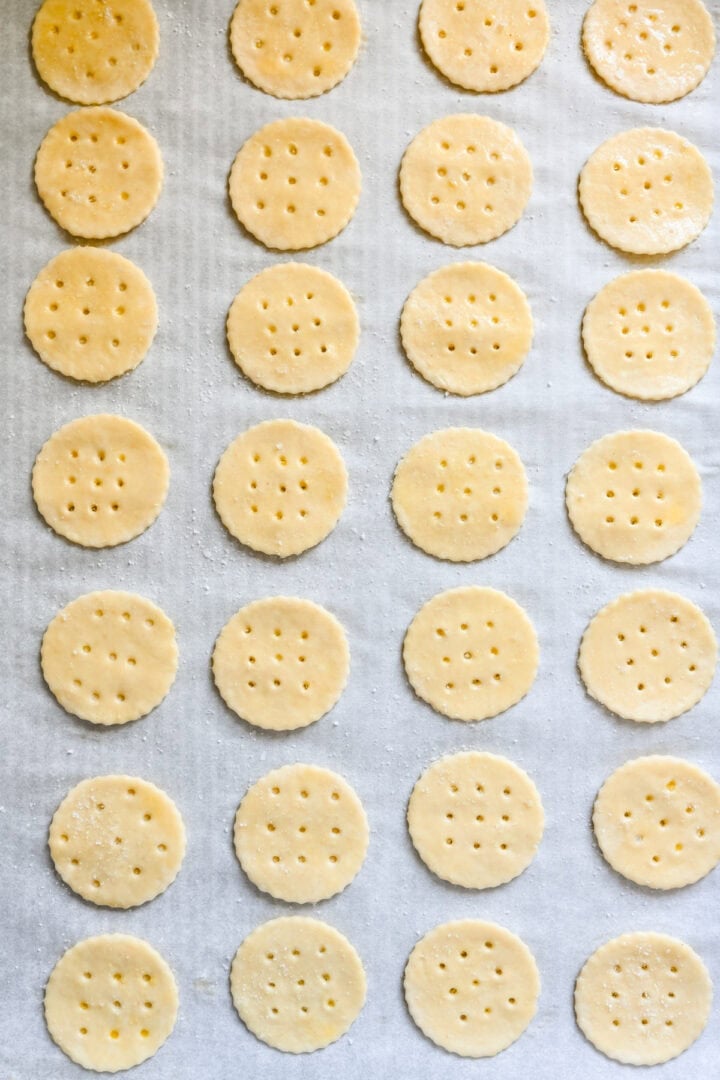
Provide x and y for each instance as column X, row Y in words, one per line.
column 297, row 984
column 295, row 49
column 649, row 655
column 475, row 819
column 467, row 328
column 281, row 663
column 460, row 494
column 643, row 998
column 301, row 834
column 117, row 840
column 109, row 657
column 652, row 50
column 293, row 329
column 98, row 172
column 91, row 314
column 100, row 480
column 93, row 52
column 471, row 653
column 647, row 191
column 634, row 496
column 471, row 987
column 295, row 183
column 657, row 821
column 466, row 179
column 649, row 334
column 485, row 44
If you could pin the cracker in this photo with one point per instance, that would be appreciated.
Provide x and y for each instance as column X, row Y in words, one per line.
column 652, row 50
column 475, row 819
column 460, row 494
column 110, row 1002
column 485, row 45
column 466, row 179
column 91, row 314
column 117, row 840
column 293, row 329
column 471, row 653
column 657, row 821
column 467, row 328
column 109, row 657
column 301, row 834
column 643, row 998
column 92, row 52
column 295, row 183
column 647, row 191
column 98, row 172
column 634, row 496
column 471, row 987
column 280, row 487
column 649, row 334
column 100, row 480
column 294, row 48
column 650, row 655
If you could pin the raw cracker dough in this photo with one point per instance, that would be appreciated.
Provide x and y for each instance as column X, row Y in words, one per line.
column 652, row 50
column 467, row 328
column 485, row 44
column 95, row 51
column 295, row 183
column 98, row 172
column 91, row 314
column 649, row 334
column 117, row 840
column 297, row 984
column 647, row 191
column 293, row 49
column 471, row 987
column 475, row 819
column 657, row 821
column 281, row 663
column 100, row 480
column 634, row 496
column 466, row 179
column 301, row 834
column 643, row 998
column 471, row 653
column 293, row 328
column 460, row 494
column 649, row 655
column 280, row 487
column 109, row 657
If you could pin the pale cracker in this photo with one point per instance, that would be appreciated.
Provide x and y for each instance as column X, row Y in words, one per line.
column 647, row 191
column 297, row 984
column 471, row 987
column 643, row 998
column 110, row 1002
column 485, row 45
column 650, row 50
column 650, row 655
column 466, row 179
column 117, row 840
column 109, row 657
column 293, row 328
column 295, row 183
column 301, row 834
column 649, row 334
column 280, row 487
column 98, row 172
column 91, row 314
column 467, row 328
column 100, row 480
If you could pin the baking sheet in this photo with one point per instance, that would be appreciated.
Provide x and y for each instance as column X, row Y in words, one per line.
column 191, row 396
